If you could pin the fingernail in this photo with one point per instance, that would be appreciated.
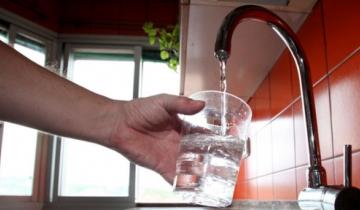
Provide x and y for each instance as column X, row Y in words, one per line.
column 197, row 101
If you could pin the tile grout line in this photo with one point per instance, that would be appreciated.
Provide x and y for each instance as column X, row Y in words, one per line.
column 343, row 61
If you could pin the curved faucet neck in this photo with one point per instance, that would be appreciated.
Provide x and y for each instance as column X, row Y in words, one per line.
column 316, row 173
column 243, row 13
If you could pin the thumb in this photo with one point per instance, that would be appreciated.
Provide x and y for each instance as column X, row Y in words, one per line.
column 181, row 104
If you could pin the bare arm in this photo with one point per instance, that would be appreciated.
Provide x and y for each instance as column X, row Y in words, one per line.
column 31, row 95
column 144, row 130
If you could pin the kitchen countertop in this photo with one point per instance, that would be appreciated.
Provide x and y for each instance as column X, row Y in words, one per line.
column 238, row 205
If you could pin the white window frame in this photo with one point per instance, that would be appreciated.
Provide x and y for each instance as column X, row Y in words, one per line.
column 34, row 201
column 54, row 199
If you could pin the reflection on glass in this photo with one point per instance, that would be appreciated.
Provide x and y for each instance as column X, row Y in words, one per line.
column 88, row 169
column 19, row 146
column 150, row 186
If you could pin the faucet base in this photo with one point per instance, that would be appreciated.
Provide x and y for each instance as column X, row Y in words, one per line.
column 330, row 198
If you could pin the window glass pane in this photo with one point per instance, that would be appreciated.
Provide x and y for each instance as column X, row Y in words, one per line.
column 88, row 169
column 157, row 78
column 31, row 49
column 17, row 160
column 19, row 146
column 110, row 77
column 3, row 35
column 29, row 43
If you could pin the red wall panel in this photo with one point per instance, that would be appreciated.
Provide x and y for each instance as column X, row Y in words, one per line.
column 301, row 150
column 252, row 189
column 338, row 164
column 280, row 84
column 264, row 152
column 345, row 103
column 262, row 106
column 311, row 36
column 250, row 164
column 331, row 39
column 323, row 115
column 330, row 171
column 341, row 20
column 301, row 181
column 265, row 188
column 285, row 185
column 282, row 136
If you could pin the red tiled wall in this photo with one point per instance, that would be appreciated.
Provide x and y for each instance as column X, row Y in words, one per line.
column 276, row 168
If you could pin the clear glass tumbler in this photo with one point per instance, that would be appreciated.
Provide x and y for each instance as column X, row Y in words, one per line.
column 211, row 148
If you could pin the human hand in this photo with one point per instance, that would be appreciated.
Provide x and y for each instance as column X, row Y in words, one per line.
column 144, row 130
column 148, row 131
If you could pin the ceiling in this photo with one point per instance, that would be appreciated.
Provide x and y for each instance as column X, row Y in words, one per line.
column 255, row 47
column 109, row 17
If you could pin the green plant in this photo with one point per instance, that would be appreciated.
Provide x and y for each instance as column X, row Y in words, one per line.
column 169, row 42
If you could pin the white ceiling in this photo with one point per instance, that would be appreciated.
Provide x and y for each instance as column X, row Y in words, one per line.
column 255, row 47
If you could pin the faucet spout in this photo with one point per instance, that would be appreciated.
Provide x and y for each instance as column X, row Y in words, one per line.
column 316, row 173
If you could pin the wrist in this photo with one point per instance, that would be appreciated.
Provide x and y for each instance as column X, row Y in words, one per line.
column 108, row 118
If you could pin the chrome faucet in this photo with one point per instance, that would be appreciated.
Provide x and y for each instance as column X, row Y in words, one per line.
column 316, row 175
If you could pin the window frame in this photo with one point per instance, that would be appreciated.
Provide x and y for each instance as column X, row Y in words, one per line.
column 53, row 183
column 38, row 185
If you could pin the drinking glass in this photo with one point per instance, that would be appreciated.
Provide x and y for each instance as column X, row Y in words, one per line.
column 211, row 148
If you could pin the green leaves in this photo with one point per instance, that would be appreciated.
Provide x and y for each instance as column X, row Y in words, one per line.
column 172, row 63
column 152, row 40
column 169, row 42
column 151, row 31
column 164, row 54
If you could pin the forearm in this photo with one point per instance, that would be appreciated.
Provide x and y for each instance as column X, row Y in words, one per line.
column 31, row 95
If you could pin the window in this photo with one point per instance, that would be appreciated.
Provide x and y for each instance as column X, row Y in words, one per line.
column 156, row 78
column 83, row 170
column 3, row 35
column 113, row 74
column 18, row 147
column 33, row 50
column 17, row 160
column 87, row 169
